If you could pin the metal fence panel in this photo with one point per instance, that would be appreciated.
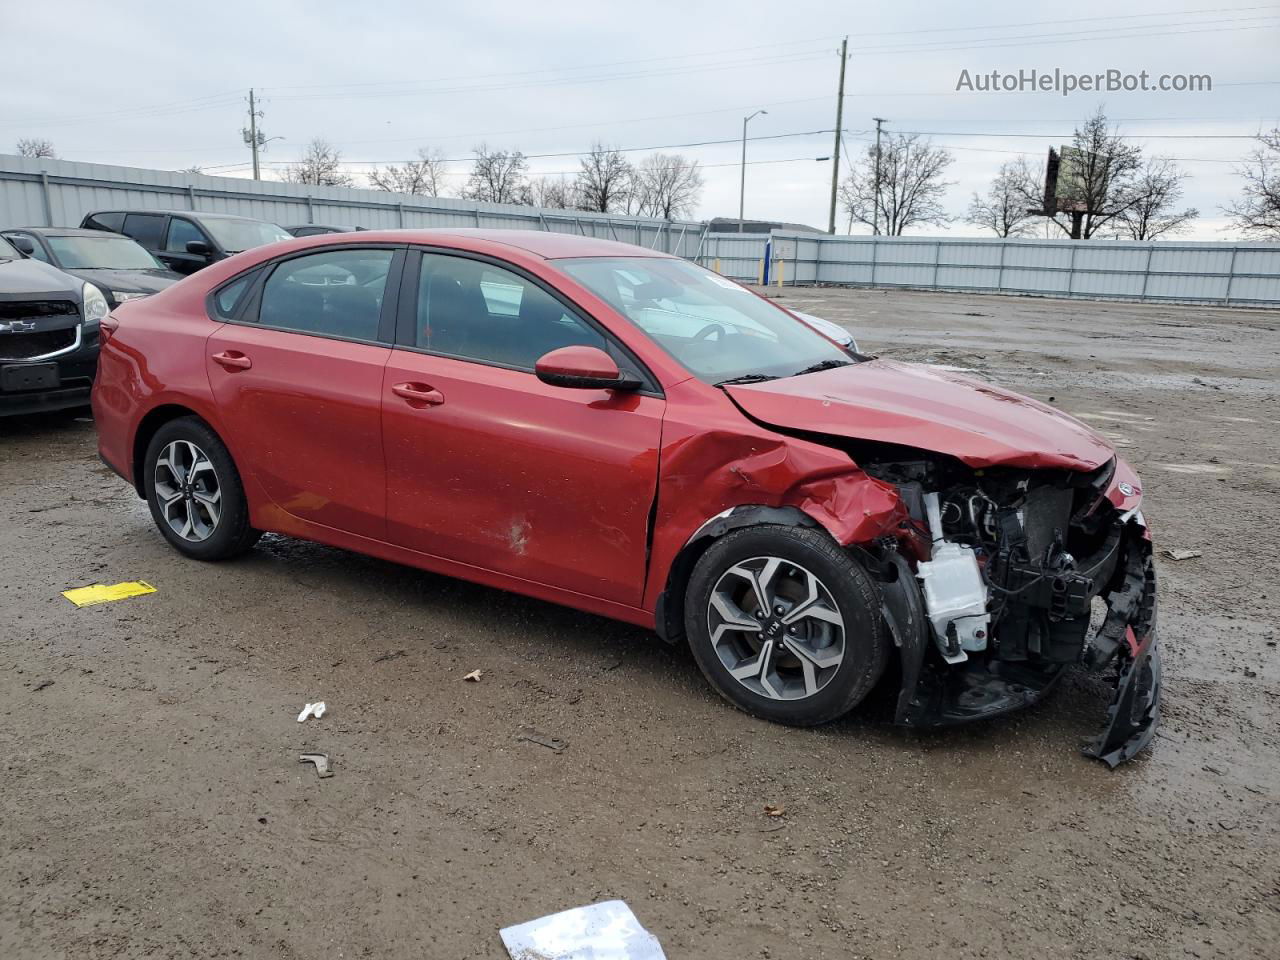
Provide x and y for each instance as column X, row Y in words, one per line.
column 1243, row 274
column 61, row 192
column 40, row 192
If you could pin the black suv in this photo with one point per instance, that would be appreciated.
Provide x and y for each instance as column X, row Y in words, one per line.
column 50, row 324
column 185, row 240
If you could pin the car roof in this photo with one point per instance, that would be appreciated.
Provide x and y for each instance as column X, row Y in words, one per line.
column 60, row 231
column 548, row 246
column 194, row 214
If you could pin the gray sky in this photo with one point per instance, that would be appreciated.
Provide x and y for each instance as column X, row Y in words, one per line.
column 159, row 85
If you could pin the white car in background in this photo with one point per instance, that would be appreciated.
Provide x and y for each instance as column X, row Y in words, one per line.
column 831, row 331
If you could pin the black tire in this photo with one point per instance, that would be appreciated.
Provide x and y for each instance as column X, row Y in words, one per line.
column 865, row 636
column 231, row 534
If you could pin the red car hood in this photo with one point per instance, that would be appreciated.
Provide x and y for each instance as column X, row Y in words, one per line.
column 930, row 409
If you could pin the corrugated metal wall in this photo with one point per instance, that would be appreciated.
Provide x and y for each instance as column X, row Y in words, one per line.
column 37, row 192
column 1232, row 274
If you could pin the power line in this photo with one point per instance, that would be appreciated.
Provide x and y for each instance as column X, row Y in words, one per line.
column 583, row 153
column 1068, row 136
column 826, row 38
column 567, row 173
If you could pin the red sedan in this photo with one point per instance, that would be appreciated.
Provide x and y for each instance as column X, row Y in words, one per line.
column 627, row 433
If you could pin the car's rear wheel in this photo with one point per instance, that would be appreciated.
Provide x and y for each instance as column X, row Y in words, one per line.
column 785, row 624
column 195, row 493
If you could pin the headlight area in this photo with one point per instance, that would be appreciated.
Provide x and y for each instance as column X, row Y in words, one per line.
column 121, row 296
column 1007, row 577
column 94, row 303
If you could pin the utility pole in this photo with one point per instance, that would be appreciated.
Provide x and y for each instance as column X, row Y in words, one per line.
column 742, row 185
column 875, row 208
column 252, row 137
column 835, row 167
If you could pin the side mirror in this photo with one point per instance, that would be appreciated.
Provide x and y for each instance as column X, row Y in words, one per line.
column 582, row 368
column 199, row 248
column 23, row 245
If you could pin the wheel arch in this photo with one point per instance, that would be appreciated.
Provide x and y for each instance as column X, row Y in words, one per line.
column 669, row 612
column 148, row 426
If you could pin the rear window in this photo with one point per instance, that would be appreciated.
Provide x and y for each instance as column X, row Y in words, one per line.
column 146, row 228
column 105, row 221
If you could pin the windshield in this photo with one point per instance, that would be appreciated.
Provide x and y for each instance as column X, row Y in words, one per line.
column 237, row 235
column 101, row 253
column 717, row 329
column 7, row 250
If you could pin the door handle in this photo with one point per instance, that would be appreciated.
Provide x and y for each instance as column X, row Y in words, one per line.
column 419, row 393
column 232, row 360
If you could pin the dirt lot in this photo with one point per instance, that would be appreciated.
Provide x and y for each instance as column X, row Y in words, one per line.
column 152, row 803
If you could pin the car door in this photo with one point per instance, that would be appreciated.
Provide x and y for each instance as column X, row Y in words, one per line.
column 491, row 467
column 296, row 373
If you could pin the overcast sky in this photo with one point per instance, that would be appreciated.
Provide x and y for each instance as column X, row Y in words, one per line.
column 163, row 85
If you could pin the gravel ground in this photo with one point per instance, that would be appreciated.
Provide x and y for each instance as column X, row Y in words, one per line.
column 153, row 805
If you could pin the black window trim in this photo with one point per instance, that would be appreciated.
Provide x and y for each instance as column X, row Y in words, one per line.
column 246, row 312
column 407, row 316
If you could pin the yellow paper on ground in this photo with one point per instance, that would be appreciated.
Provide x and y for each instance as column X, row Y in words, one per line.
column 101, row 593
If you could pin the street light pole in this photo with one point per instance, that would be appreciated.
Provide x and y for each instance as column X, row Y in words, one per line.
column 742, row 185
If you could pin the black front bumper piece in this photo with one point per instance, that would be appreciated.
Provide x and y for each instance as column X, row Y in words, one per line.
column 934, row 694
column 1135, row 709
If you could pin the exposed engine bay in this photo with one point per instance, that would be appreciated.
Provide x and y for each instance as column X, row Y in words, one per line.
column 1009, row 575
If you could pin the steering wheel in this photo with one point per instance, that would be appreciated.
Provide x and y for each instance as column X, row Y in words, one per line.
column 706, row 332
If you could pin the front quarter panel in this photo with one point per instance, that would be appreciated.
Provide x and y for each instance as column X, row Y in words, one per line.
column 714, row 459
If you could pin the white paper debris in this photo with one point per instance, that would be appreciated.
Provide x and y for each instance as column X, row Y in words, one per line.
column 601, row 931
column 312, row 710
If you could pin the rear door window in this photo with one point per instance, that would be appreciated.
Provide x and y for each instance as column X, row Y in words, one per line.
column 146, row 228
column 337, row 293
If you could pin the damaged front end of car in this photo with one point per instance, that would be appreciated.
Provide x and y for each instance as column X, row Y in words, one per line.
column 1006, row 576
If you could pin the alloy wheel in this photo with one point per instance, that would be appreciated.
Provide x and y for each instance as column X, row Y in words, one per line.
column 776, row 628
column 188, row 491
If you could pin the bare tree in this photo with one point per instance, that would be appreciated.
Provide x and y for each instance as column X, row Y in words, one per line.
column 1096, row 180
column 553, row 193
column 194, row 168
column 1257, row 212
column 667, row 185
column 498, row 176
column 604, row 182
column 1151, row 211
column 321, row 165
column 911, row 185
column 1004, row 209
column 36, row 147
column 423, row 177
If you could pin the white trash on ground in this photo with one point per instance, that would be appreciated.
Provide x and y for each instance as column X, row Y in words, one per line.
column 601, row 931
column 312, row 710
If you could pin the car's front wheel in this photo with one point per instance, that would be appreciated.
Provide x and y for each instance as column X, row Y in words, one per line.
column 785, row 624
column 195, row 493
